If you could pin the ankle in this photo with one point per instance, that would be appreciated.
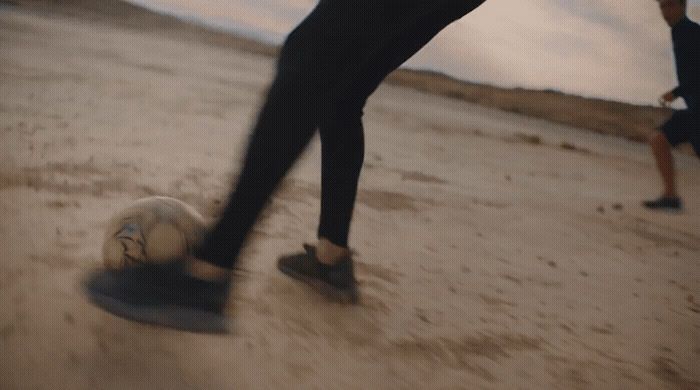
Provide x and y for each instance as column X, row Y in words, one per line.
column 203, row 270
column 329, row 253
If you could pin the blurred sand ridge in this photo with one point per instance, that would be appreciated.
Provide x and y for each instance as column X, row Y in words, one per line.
column 495, row 249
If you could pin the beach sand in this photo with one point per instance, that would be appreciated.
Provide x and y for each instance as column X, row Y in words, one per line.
column 493, row 250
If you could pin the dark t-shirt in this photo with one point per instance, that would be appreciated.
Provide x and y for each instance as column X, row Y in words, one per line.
column 686, row 48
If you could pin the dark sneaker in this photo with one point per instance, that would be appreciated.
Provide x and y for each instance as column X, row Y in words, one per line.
column 161, row 294
column 664, row 203
column 336, row 281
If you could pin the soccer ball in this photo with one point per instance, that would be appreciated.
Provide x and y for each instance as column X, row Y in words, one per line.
column 151, row 230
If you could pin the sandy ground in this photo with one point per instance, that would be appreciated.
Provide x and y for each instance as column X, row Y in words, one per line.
column 494, row 251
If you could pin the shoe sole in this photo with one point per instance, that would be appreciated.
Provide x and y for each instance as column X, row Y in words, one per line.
column 669, row 210
column 169, row 316
column 350, row 296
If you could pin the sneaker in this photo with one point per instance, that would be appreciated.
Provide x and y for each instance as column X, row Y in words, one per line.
column 161, row 294
column 670, row 203
column 335, row 281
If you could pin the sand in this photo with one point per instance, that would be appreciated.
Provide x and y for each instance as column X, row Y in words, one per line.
column 493, row 250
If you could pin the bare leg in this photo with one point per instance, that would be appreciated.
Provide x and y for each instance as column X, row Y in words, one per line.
column 664, row 162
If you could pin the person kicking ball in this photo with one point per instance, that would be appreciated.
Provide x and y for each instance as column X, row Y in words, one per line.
column 684, row 125
column 327, row 68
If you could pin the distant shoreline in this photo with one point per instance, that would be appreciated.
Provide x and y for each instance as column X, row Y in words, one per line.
column 626, row 120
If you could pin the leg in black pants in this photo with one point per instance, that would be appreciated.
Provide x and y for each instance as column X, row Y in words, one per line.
column 296, row 105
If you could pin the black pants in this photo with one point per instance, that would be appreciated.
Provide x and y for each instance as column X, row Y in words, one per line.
column 327, row 68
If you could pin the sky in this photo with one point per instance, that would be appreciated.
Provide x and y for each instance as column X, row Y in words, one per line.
column 611, row 49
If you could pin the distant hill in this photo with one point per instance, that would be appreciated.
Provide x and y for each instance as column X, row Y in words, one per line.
column 602, row 116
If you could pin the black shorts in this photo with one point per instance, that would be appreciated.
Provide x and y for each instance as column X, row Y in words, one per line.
column 683, row 126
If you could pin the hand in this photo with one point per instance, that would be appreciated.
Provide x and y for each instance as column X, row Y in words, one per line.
column 667, row 98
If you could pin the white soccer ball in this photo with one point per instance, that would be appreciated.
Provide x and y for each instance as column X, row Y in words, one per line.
column 151, row 230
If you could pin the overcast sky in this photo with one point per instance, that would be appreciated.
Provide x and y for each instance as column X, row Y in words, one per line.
column 618, row 49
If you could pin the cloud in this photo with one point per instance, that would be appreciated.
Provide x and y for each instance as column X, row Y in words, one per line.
column 618, row 49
